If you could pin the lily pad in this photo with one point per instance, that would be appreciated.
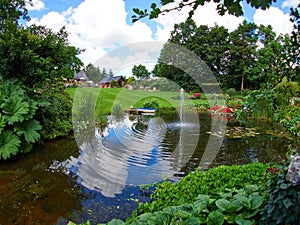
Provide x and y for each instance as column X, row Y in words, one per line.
column 241, row 132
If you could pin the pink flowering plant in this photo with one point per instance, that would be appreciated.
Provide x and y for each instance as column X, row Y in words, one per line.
column 197, row 95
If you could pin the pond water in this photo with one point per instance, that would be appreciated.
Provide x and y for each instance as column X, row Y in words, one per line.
column 99, row 180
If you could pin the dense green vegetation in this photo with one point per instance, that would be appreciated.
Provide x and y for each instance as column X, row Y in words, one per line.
column 250, row 57
column 210, row 182
column 34, row 106
column 34, row 61
column 247, row 194
column 18, row 128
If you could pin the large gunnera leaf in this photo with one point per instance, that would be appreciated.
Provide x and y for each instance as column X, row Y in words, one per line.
column 9, row 144
column 29, row 130
column 15, row 109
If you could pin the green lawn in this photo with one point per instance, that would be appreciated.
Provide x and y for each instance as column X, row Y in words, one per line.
column 108, row 96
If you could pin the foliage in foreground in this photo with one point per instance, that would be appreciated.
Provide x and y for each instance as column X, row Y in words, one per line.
column 18, row 128
column 283, row 204
column 277, row 203
column 210, row 182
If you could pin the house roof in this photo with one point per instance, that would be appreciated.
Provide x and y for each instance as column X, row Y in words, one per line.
column 110, row 79
column 80, row 75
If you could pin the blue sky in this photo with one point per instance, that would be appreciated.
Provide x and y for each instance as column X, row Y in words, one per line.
column 99, row 26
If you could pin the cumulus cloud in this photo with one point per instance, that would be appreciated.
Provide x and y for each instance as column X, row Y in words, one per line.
column 290, row 3
column 204, row 15
column 97, row 25
column 36, row 5
column 276, row 18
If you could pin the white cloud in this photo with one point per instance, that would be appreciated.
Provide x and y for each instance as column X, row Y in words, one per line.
column 204, row 15
column 97, row 25
column 276, row 18
column 290, row 3
column 36, row 5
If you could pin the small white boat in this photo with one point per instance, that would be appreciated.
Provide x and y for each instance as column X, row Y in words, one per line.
column 145, row 110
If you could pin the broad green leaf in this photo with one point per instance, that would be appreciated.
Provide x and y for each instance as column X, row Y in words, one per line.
column 193, row 221
column 160, row 218
column 29, row 130
column 9, row 144
column 287, row 203
column 251, row 188
column 200, row 206
column 240, row 220
column 145, row 217
column 230, row 218
column 284, row 186
column 182, row 214
column 215, row 218
column 15, row 110
column 250, row 214
column 203, row 198
column 224, row 205
column 168, row 211
column 116, row 222
column 237, row 204
column 256, row 202
column 244, row 200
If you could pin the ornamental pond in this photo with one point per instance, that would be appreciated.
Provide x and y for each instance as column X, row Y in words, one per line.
column 95, row 175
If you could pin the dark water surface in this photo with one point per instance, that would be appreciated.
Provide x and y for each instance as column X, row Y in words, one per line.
column 99, row 180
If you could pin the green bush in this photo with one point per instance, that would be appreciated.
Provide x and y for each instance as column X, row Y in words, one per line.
column 151, row 103
column 18, row 128
column 208, row 182
column 54, row 113
column 230, row 207
column 258, row 104
column 289, row 117
column 231, row 92
column 284, row 91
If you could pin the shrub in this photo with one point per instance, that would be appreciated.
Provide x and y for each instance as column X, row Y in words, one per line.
column 258, row 104
column 231, row 92
column 285, row 90
column 208, row 182
column 151, row 103
column 54, row 113
column 289, row 117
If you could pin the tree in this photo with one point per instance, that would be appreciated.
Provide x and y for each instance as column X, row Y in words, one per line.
column 37, row 56
column 104, row 73
column 110, row 73
column 93, row 73
column 11, row 11
column 243, row 51
column 140, row 72
column 211, row 44
column 293, row 48
column 231, row 6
